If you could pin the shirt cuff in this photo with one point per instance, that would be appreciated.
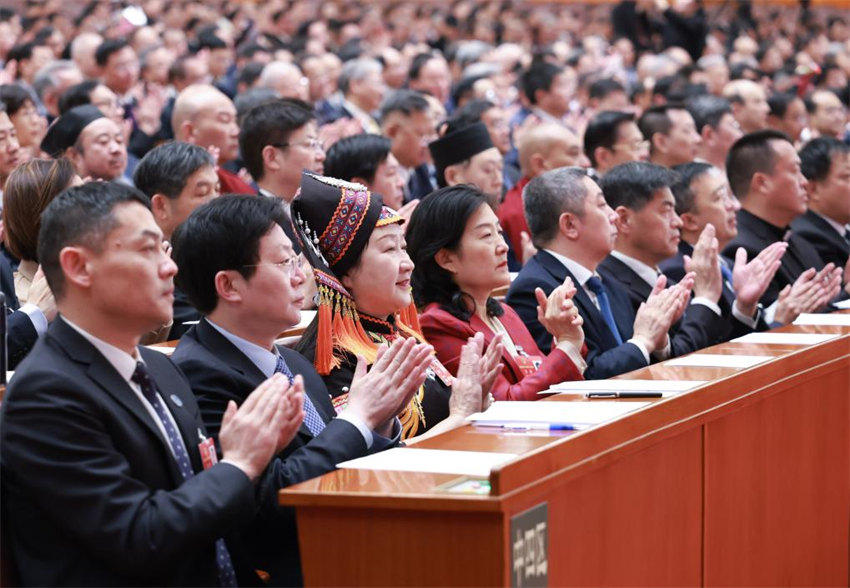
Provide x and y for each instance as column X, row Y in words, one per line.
column 367, row 434
column 706, row 302
column 39, row 321
column 642, row 348
column 770, row 313
column 750, row 321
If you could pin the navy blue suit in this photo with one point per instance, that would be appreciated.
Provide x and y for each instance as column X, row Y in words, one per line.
column 605, row 357
column 218, row 372
column 674, row 269
column 700, row 327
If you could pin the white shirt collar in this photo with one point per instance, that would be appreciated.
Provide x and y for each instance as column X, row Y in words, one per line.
column 647, row 274
column 283, row 201
column 123, row 363
column 265, row 360
column 579, row 272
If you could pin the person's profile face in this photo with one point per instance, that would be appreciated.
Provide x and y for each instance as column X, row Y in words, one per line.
column 131, row 277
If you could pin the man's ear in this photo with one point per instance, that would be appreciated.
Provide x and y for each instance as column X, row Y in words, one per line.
column 186, row 132
column 707, row 135
column 537, row 164
column 447, row 260
column 569, row 225
column 272, row 158
column 660, row 142
column 76, row 159
column 391, row 129
column 453, row 175
column 74, row 262
column 624, row 220
column 602, row 156
column 228, row 284
column 159, row 207
column 689, row 223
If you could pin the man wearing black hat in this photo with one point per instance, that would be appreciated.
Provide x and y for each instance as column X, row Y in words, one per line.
column 466, row 155
column 90, row 140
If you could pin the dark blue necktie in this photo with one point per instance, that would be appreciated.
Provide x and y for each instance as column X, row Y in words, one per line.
column 226, row 573
column 312, row 418
column 727, row 275
column 597, row 287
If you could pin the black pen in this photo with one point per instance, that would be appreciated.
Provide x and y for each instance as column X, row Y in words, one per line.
column 624, row 394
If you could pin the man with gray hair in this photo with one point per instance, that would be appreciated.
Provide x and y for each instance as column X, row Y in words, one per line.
column 573, row 229
column 52, row 81
column 361, row 84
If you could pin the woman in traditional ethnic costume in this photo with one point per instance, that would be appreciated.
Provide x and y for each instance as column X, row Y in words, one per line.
column 362, row 270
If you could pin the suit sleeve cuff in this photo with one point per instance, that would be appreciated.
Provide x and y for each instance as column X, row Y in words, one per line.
column 642, row 348
column 39, row 321
column 707, row 303
column 368, row 435
column 750, row 321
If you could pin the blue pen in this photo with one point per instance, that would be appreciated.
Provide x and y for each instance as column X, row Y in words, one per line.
column 532, row 426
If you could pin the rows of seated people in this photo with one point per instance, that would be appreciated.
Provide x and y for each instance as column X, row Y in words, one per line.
column 638, row 195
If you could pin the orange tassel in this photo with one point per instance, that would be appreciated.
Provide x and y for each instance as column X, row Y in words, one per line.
column 324, row 338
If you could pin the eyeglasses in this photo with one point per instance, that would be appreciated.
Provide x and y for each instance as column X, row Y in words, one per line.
column 634, row 146
column 289, row 266
column 314, row 144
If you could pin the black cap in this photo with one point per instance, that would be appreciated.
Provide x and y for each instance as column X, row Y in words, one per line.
column 458, row 146
column 66, row 129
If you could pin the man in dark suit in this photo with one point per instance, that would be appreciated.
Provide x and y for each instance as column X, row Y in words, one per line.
column 573, row 228
column 825, row 162
column 764, row 173
column 406, row 121
column 647, row 233
column 178, row 177
column 707, row 209
column 103, row 481
column 248, row 297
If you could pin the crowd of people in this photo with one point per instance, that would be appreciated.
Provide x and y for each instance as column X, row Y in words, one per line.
column 644, row 179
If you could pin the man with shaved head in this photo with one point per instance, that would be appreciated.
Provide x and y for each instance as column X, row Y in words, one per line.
column 206, row 117
column 749, row 104
column 541, row 148
column 286, row 79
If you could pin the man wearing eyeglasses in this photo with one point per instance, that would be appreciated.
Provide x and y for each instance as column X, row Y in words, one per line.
column 611, row 138
column 248, row 297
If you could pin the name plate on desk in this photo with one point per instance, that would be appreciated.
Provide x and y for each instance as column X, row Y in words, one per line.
column 529, row 547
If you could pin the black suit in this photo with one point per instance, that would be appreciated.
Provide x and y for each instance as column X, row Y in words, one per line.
column 20, row 332
column 218, row 372
column 830, row 245
column 183, row 312
column 698, row 328
column 755, row 234
column 674, row 269
column 92, row 492
column 605, row 357
column 420, row 184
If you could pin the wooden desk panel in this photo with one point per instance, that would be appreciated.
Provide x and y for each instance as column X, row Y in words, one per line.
column 744, row 481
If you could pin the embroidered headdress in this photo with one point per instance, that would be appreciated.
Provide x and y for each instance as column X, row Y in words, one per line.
column 333, row 220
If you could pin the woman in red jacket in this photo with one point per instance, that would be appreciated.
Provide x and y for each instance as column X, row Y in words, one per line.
column 460, row 257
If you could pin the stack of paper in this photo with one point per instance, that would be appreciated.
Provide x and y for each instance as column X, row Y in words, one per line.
column 840, row 320
column 710, row 360
column 433, row 461
column 553, row 413
column 666, row 387
column 784, row 338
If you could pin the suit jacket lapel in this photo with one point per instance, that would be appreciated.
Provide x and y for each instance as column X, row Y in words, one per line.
column 104, row 375
column 230, row 355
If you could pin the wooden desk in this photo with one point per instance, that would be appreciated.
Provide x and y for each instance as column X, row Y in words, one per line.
column 743, row 481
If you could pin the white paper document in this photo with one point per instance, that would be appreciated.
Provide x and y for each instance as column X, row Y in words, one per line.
column 785, row 338
column 668, row 387
column 162, row 349
column 432, row 461
column 842, row 304
column 709, row 360
column 840, row 320
column 585, row 414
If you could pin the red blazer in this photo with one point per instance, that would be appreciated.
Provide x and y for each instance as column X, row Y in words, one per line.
column 512, row 216
column 233, row 184
column 448, row 335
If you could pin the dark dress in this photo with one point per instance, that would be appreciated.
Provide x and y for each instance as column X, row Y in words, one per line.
column 430, row 404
